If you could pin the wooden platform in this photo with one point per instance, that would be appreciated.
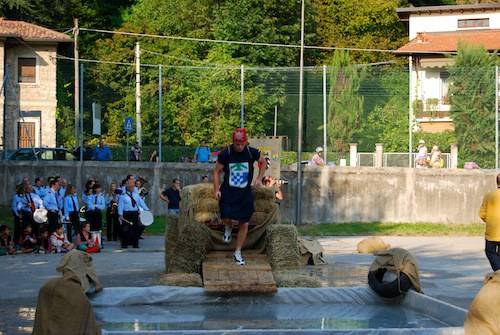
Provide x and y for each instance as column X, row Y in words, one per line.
column 222, row 275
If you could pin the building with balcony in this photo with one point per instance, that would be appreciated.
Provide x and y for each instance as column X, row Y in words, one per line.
column 28, row 97
column 434, row 34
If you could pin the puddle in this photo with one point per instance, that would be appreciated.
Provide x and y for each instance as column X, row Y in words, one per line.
column 243, row 316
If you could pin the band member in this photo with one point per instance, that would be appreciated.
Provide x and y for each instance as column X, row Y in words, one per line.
column 50, row 203
column 40, row 188
column 235, row 194
column 88, row 189
column 95, row 205
column 112, row 223
column 61, row 192
column 16, row 213
column 129, row 205
column 30, row 201
column 72, row 211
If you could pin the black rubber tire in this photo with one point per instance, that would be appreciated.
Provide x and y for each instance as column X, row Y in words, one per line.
column 391, row 289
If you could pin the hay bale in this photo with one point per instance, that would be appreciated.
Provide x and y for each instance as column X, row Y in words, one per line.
column 265, row 206
column 204, row 217
column 207, row 205
column 263, row 193
column 295, row 279
column 190, row 249
column 281, row 246
column 171, row 235
column 371, row 245
column 181, row 279
column 258, row 218
column 199, row 192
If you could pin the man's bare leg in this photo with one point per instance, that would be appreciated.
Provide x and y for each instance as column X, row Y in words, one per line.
column 228, row 228
column 242, row 236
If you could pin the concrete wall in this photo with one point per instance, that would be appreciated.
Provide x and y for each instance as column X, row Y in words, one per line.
column 329, row 194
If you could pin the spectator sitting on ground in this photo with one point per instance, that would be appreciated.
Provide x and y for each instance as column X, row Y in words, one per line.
column 59, row 241
column 269, row 181
column 135, row 152
column 317, row 158
column 202, row 153
column 6, row 244
column 44, row 242
column 84, row 241
column 28, row 241
column 102, row 152
column 172, row 196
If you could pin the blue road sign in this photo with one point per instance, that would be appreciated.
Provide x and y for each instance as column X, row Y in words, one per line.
column 127, row 125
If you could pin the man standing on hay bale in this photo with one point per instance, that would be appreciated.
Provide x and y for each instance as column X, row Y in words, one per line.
column 235, row 194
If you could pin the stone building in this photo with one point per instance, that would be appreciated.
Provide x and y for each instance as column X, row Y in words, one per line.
column 28, row 98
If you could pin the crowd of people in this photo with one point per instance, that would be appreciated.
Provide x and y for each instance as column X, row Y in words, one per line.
column 54, row 217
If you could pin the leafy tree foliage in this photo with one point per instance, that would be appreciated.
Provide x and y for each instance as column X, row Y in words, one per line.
column 345, row 104
column 473, row 103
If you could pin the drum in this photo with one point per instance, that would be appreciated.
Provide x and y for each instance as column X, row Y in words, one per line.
column 40, row 215
column 146, row 218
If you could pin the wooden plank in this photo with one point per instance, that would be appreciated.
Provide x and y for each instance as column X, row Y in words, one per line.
column 222, row 275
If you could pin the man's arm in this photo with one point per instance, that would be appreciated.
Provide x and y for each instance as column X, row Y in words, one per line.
column 217, row 171
column 262, row 170
column 484, row 209
column 163, row 197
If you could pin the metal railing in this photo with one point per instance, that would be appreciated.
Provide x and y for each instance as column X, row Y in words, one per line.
column 396, row 159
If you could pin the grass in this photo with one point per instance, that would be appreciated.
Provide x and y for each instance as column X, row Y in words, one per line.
column 338, row 229
column 397, row 229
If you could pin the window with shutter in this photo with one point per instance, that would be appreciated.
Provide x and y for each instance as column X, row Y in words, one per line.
column 26, row 70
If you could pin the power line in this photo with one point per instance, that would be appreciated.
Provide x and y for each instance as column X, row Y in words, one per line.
column 264, row 44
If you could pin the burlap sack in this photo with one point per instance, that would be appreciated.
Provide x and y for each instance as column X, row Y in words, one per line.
column 371, row 245
column 483, row 317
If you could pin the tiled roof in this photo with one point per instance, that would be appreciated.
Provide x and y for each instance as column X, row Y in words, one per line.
column 448, row 41
column 30, row 32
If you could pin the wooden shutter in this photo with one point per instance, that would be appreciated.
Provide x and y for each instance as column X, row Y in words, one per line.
column 26, row 70
column 25, row 134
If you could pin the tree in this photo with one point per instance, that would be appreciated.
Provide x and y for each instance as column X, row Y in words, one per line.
column 473, row 103
column 345, row 104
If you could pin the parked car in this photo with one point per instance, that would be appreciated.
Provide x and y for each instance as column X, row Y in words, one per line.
column 44, row 154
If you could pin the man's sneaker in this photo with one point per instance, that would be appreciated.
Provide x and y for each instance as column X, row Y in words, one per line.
column 227, row 237
column 238, row 259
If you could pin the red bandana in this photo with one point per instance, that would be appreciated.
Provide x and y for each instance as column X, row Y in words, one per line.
column 240, row 136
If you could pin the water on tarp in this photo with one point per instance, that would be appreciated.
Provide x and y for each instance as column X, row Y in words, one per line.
column 243, row 316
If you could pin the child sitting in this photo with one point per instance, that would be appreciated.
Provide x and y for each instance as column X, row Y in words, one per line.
column 6, row 244
column 84, row 240
column 45, row 246
column 59, row 241
column 28, row 241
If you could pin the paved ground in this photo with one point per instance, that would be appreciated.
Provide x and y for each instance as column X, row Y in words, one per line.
column 452, row 269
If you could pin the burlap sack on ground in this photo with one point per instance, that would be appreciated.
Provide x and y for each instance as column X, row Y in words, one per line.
column 282, row 247
column 311, row 251
column 372, row 245
column 483, row 317
column 190, row 250
column 295, row 279
column 62, row 306
column 398, row 260
column 181, row 279
column 205, row 217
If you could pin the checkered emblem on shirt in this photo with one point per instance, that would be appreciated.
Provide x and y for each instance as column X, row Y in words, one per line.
column 238, row 174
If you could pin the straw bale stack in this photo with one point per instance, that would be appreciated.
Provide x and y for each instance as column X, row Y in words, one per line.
column 371, row 245
column 282, row 247
column 181, row 279
column 190, row 249
column 171, row 235
column 295, row 279
column 263, row 193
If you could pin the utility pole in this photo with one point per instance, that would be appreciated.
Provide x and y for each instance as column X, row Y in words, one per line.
column 324, row 114
column 275, row 119
column 77, row 83
column 160, row 110
column 138, row 93
column 298, row 201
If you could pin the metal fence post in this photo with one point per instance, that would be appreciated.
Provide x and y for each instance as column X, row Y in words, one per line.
column 160, row 110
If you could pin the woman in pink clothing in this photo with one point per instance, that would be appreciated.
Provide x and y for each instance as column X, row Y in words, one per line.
column 317, row 158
